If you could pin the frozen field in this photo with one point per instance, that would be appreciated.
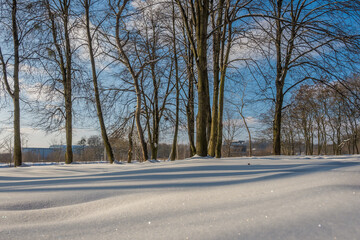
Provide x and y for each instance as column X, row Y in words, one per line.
column 273, row 198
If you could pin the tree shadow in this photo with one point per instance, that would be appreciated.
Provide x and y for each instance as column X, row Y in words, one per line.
column 176, row 176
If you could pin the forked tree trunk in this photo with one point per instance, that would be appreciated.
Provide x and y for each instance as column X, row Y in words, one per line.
column 135, row 76
column 64, row 63
column 282, row 67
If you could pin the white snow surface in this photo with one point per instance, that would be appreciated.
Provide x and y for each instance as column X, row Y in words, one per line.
column 202, row 198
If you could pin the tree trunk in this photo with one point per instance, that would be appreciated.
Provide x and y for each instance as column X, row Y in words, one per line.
column 190, row 112
column 154, row 142
column 220, row 115
column 173, row 152
column 224, row 58
column 203, row 82
column 200, row 13
column 131, row 144
column 17, row 136
column 68, row 88
column 277, row 121
column 319, row 137
column 104, row 135
column 138, row 124
column 282, row 67
column 68, row 128
column 216, row 70
column 16, row 94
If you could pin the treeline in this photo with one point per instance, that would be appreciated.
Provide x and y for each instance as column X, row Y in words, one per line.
column 145, row 66
column 324, row 118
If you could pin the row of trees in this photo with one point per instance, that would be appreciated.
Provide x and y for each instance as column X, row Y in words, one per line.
column 149, row 65
column 325, row 119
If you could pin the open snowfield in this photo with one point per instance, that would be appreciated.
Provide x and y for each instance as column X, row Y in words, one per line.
column 273, row 198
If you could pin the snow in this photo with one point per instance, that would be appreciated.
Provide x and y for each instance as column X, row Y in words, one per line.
column 312, row 197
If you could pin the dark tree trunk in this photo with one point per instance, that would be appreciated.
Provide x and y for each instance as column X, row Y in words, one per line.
column 16, row 94
column 68, row 86
column 190, row 113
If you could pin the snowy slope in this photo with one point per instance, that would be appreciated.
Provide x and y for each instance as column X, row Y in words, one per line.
column 273, row 198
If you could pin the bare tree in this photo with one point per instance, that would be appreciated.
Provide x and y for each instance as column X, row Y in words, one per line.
column 60, row 52
column 14, row 91
column 121, row 38
column 240, row 109
column 156, row 81
column 232, row 128
column 224, row 15
column 173, row 153
column 305, row 40
column 90, row 36
column 190, row 94
column 19, row 22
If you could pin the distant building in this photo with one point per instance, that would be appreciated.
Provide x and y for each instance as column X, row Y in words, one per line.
column 44, row 153
column 76, row 148
column 235, row 148
column 238, row 146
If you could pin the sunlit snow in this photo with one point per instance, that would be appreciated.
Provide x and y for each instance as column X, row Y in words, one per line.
column 203, row 198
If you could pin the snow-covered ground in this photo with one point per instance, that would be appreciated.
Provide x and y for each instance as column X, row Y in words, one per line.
column 272, row 198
